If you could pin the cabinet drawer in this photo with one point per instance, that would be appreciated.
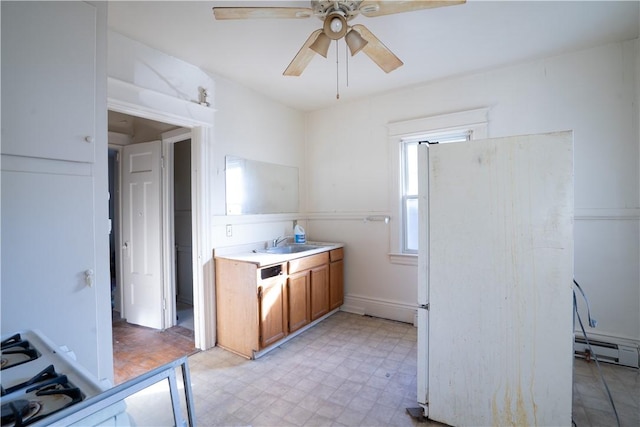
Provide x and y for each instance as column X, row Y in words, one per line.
column 308, row 262
column 336, row 254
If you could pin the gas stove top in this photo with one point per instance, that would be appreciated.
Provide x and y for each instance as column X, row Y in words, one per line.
column 39, row 379
column 16, row 351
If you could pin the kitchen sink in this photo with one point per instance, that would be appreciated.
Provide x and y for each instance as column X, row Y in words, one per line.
column 289, row 249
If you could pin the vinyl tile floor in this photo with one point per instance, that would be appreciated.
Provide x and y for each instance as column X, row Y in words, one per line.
column 352, row 370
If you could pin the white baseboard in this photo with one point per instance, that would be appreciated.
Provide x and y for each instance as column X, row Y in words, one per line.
column 376, row 307
column 607, row 349
column 616, row 339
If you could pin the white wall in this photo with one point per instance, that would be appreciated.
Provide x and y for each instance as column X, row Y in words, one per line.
column 251, row 126
column 137, row 64
column 592, row 92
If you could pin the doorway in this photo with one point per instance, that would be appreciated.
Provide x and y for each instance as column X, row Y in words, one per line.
column 176, row 226
column 182, row 231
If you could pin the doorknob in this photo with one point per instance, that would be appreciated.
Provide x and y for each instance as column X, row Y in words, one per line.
column 125, row 248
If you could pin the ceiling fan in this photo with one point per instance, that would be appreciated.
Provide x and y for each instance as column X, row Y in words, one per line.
column 336, row 16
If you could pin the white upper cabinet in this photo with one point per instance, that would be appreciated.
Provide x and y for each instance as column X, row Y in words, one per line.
column 59, row 37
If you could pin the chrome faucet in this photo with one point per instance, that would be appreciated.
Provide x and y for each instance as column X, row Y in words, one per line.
column 276, row 242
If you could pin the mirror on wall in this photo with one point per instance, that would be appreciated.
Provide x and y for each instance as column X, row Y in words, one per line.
column 254, row 187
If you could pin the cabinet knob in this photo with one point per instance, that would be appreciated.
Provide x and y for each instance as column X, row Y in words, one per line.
column 88, row 277
column 88, row 138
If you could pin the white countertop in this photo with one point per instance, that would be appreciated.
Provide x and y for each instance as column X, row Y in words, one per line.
column 263, row 259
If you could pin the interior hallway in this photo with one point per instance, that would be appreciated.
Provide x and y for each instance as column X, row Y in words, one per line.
column 137, row 349
column 352, row 370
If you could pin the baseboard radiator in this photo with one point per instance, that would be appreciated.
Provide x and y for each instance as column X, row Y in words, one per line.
column 607, row 352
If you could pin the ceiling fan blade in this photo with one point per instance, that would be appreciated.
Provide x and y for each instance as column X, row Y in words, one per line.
column 303, row 57
column 377, row 51
column 371, row 8
column 261, row 12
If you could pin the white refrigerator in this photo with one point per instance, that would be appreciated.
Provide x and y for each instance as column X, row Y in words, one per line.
column 495, row 322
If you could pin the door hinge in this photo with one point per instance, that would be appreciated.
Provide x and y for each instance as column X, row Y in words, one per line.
column 164, row 304
column 424, row 306
column 162, row 162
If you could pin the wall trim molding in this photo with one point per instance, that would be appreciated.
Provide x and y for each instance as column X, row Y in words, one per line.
column 404, row 259
column 580, row 214
column 377, row 307
column 346, row 216
column 218, row 220
column 609, row 214
column 478, row 116
column 132, row 99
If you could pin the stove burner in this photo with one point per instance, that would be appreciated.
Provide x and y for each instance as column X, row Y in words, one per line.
column 16, row 351
column 47, row 374
column 20, row 409
column 40, row 401
column 12, row 340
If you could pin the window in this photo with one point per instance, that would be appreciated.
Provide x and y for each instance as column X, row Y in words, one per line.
column 409, row 155
column 405, row 135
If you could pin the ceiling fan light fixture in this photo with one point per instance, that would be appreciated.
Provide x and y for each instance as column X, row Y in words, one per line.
column 355, row 42
column 321, row 45
column 335, row 26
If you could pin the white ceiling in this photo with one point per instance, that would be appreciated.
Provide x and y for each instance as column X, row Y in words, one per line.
column 432, row 43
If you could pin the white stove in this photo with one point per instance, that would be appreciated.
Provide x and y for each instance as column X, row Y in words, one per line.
column 39, row 379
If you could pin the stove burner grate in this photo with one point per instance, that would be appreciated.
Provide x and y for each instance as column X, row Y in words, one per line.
column 16, row 351
column 40, row 401
column 45, row 376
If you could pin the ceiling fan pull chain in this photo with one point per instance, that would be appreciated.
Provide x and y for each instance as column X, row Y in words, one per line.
column 346, row 61
column 337, row 73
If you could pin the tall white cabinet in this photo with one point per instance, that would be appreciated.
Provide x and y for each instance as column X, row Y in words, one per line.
column 55, row 269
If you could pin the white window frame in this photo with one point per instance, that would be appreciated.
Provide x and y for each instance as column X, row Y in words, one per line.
column 455, row 135
column 474, row 121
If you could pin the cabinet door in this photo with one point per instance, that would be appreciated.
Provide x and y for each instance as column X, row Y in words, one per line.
column 319, row 291
column 298, row 298
column 273, row 322
column 52, row 112
column 336, row 284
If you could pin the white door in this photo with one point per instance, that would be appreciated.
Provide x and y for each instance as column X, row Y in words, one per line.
column 143, row 296
column 498, row 281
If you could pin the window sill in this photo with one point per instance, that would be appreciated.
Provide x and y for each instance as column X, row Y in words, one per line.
column 403, row 259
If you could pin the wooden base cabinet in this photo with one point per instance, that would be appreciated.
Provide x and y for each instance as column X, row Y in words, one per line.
column 319, row 291
column 272, row 306
column 336, row 278
column 258, row 307
column 308, row 287
column 251, row 309
column 298, row 300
